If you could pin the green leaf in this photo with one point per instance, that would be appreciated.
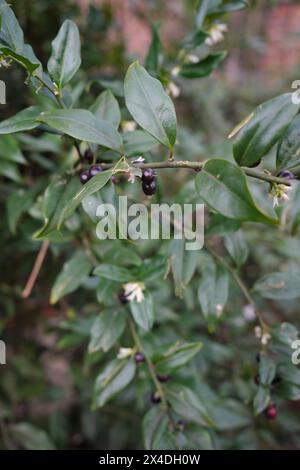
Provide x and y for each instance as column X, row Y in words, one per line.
column 83, row 125
column 29, row 437
column 195, row 39
column 223, row 186
column 187, row 404
column 288, row 151
column 11, row 33
column 152, row 58
column 26, row 58
column 20, row 201
column 262, row 129
column 183, row 264
column 137, row 143
column 23, row 121
column 107, row 108
column 204, row 67
column 106, row 330
column 220, row 225
column 74, row 272
column 10, row 171
column 261, row 399
column 143, row 312
column 155, row 424
column 295, row 211
column 267, row 370
column 113, row 273
column 115, row 376
column 10, row 150
column 237, row 247
column 175, row 356
column 151, row 269
column 285, row 285
column 65, row 59
column 56, row 200
column 149, row 105
column 213, row 291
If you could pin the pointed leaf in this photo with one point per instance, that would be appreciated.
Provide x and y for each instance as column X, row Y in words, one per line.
column 107, row 108
column 204, row 67
column 23, row 121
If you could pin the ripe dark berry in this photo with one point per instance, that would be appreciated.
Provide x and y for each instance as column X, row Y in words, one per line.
column 88, row 156
column 148, row 175
column 123, row 298
column 288, row 175
column 94, row 170
column 163, row 378
column 139, row 358
column 271, row 411
column 155, row 398
column 276, row 380
column 181, row 423
column 149, row 189
column 257, row 357
column 84, row 177
column 257, row 379
column 113, row 179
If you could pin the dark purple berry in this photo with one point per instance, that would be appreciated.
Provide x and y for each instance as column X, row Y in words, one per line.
column 155, row 398
column 257, row 379
column 113, row 179
column 257, row 357
column 88, row 156
column 123, row 298
column 84, row 177
column 271, row 411
column 288, row 175
column 181, row 423
column 276, row 380
column 148, row 175
column 94, row 170
column 163, row 378
column 139, row 358
column 149, row 189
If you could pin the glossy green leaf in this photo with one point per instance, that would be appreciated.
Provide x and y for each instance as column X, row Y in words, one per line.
column 155, row 424
column 65, row 59
column 223, row 186
column 74, row 271
column 143, row 312
column 261, row 399
column 116, row 375
column 10, row 150
column 288, row 151
column 266, row 370
column 236, row 246
column 106, row 330
column 149, row 105
column 11, row 33
column 56, row 200
column 284, row 285
column 183, row 264
column 30, row 437
column 188, row 405
column 152, row 58
column 113, row 273
column 23, row 121
column 10, row 170
column 175, row 356
column 83, row 125
column 204, row 67
column 137, row 143
column 195, row 39
column 107, row 108
column 26, row 58
column 262, row 129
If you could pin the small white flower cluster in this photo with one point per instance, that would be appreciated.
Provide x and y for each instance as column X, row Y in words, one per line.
column 216, row 34
column 263, row 336
column 4, row 62
column 279, row 192
column 134, row 291
column 125, row 352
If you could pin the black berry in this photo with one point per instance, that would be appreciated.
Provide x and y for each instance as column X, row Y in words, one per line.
column 163, row 378
column 257, row 379
column 139, row 357
column 94, row 170
column 88, row 156
column 149, row 188
column 113, row 179
column 271, row 411
column 84, row 177
column 288, row 175
column 123, row 298
column 148, row 175
column 155, row 398
column 257, row 357
column 276, row 380
column 181, row 423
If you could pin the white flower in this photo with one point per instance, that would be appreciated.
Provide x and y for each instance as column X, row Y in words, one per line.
column 258, row 331
column 131, row 176
column 175, row 71
column 192, row 58
column 265, row 338
column 139, row 160
column 134, row 291
column 219, row 309
column 279, row 192
column 125, row 352
column 249, row 313
column 216, row 34
column 4, row 62
column 128, row 126
column 173, row 90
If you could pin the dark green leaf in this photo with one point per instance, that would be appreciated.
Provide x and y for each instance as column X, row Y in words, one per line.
column 143, row 312
column 288, row 151
column 237, row 247
column 267, row 370
column 10, row 150
column 187, row 404
column 261, row 399
column 11, row 33
column 23, row 121
column 137, row 143
column 113, row 273
column 107, row 108
column 204, row 67
column 29, row 437
column 195, row 39
column 176, row 356
column 152, row 58
column 106, row 330
column 155, row 424
column 285, row 285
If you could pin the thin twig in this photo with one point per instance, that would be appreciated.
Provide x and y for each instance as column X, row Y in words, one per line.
column 197, row 166
column 240, row 283
column 35, row 270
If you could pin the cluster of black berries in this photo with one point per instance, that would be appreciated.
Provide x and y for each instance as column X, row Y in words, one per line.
column 149, row 182
column 88, row 174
